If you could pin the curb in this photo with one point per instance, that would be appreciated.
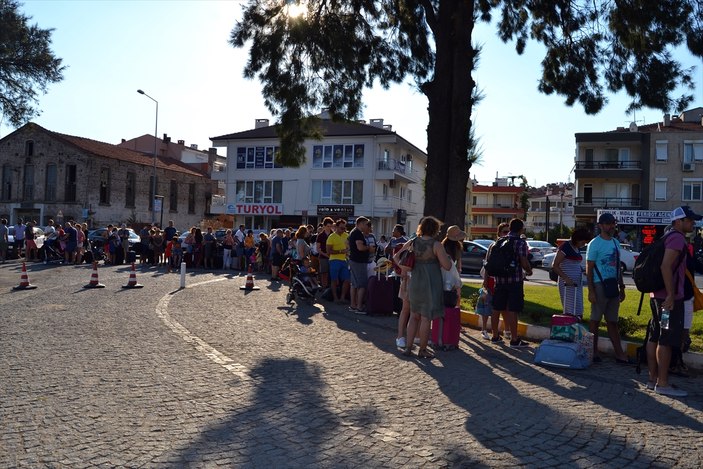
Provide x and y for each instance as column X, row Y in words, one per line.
column 539, row 333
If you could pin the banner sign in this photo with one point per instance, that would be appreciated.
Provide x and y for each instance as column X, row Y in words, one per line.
column 639, row 217
column 254, row 209
column 335, row 211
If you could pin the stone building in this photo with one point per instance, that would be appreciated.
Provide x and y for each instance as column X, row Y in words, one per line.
column 47, row 175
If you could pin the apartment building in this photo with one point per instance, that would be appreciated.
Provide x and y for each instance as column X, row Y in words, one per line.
column 492, row 205
column 555, row 204
column 640, row 172
column 355, row 169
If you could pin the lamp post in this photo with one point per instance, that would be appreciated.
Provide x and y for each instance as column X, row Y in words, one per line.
column 153, row 182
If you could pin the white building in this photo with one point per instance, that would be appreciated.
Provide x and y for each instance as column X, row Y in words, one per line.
column 561, row 210
column 356, row 169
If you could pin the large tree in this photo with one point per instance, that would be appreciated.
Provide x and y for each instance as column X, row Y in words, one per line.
column 27, row 64
column 310, row 54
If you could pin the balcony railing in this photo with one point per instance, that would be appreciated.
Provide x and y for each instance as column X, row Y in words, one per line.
column 397, row 166
column 608, row 202
column 505, row 205
column 605, row 164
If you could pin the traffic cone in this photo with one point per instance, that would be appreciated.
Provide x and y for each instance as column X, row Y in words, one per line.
column 250, row 281
column 94, row 283
column 133, row 280
column 24, row 281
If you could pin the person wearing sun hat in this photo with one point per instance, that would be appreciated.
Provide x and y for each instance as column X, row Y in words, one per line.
column 670, row 298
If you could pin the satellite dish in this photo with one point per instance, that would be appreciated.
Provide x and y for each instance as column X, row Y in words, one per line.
column 633, row 127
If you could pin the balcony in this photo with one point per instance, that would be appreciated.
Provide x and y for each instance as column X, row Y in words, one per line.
column 386, row 206
column 389, row 168
column 608, row 202
column 608, row 168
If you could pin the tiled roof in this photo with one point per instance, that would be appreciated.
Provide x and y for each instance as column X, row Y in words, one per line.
column 108, row 150
column 674, row 126
column 328, row 128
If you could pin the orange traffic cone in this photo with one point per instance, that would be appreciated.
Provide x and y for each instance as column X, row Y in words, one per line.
column 250, row 281
column 133, row 280
column 94, row 283
column 24, row 281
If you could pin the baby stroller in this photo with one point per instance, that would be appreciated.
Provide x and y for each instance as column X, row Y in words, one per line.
column 51, row 252
column 302, row 285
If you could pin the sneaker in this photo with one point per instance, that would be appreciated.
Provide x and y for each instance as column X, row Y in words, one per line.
column 359, row 311
column 353, row 309
column 400, row 342
column 519, row 344
column 497, row 340
column 485, row 335
column 651, row 385
column 670, row 391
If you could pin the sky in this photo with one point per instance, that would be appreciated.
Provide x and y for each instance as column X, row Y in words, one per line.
column 177, row 52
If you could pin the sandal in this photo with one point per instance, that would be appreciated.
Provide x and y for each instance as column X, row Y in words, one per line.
column 423, row 353
column 408, row 352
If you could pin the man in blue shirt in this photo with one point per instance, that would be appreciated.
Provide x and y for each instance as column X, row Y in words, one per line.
column 603, row 266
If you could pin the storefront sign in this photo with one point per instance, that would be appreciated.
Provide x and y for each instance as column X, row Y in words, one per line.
column 335, row 211
column 254, row 209
column 639, row 217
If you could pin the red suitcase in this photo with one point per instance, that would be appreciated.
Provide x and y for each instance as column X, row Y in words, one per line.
column 446, row 330
column 564, row 320
column 379, row 295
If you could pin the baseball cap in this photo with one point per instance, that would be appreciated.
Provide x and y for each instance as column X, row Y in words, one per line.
column 685, row 212
column 606, row 218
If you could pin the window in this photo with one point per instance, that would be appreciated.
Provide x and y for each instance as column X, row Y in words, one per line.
column 662, row 152
column 660, row 189
column 256, row 157
column 29, row 148
column 152, row 192
column 173, row 196
column 261, row 192
column 692, row 151
column 337, row 192
column 692, row 190
column 105, row 185
column 70, row 187
column 50, row 188
column 191, row 197
column 480, row 219
column 130, row 193
column 338, row 156
column 6, row 182
column 28, row 183
column 385, row 191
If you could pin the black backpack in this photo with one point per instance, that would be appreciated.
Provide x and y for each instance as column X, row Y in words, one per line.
column 501, row 260
column 647, row 272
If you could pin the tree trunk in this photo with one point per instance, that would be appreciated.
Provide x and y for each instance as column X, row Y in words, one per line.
column 449, row 96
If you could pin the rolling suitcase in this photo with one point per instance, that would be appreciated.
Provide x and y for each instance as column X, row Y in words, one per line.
column 446, row 330
column 379, row 295
column 562, row 327
column 562, row 354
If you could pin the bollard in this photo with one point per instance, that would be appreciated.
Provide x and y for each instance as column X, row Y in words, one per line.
column 183, row 274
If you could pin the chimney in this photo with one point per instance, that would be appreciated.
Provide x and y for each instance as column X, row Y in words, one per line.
column 194, row 146
column 181, row 142
column 376, row 122
column 259, row 123
column 667, row 120
column 123, row 140
column 167, row 139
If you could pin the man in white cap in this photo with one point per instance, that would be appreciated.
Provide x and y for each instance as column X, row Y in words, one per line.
column 669, row 299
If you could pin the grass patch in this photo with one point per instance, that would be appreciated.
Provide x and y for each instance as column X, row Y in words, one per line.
column 541, row 302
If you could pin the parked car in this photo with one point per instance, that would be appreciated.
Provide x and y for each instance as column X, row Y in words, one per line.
column 627, row 258
column 97, row 238
column 38, row 238
column 539, row 249
column 487, row 243
column 472, row 257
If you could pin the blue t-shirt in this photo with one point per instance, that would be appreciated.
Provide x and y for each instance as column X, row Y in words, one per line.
column 604, row 253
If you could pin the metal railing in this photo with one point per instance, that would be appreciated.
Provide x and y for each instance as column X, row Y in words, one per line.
column 608, row 202
column 606, row 164
column 397, row 166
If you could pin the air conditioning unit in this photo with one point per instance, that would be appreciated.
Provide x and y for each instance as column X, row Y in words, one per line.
column 688, row 167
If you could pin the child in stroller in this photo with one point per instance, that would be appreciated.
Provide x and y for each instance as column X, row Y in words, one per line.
column 303, row 280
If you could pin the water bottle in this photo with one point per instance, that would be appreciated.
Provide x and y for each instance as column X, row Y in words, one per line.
column 664, row 319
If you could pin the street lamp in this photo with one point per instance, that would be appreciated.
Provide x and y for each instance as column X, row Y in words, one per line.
column 153, row 182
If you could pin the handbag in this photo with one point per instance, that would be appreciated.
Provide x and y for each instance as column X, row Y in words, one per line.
column 697, row 294
column 553, row 275
column 610, row 286
column 406, row 258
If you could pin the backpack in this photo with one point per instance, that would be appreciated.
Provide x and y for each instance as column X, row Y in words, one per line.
column 501, row 260
column 647, row 273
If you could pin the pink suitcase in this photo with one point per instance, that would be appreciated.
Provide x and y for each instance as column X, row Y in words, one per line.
column 564, row 320
column 446, row 330
column 563, row 327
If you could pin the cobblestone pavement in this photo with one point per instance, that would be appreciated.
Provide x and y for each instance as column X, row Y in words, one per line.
column 213, row 376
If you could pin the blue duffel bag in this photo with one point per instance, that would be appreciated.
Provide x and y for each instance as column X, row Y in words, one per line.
column 562, row 354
